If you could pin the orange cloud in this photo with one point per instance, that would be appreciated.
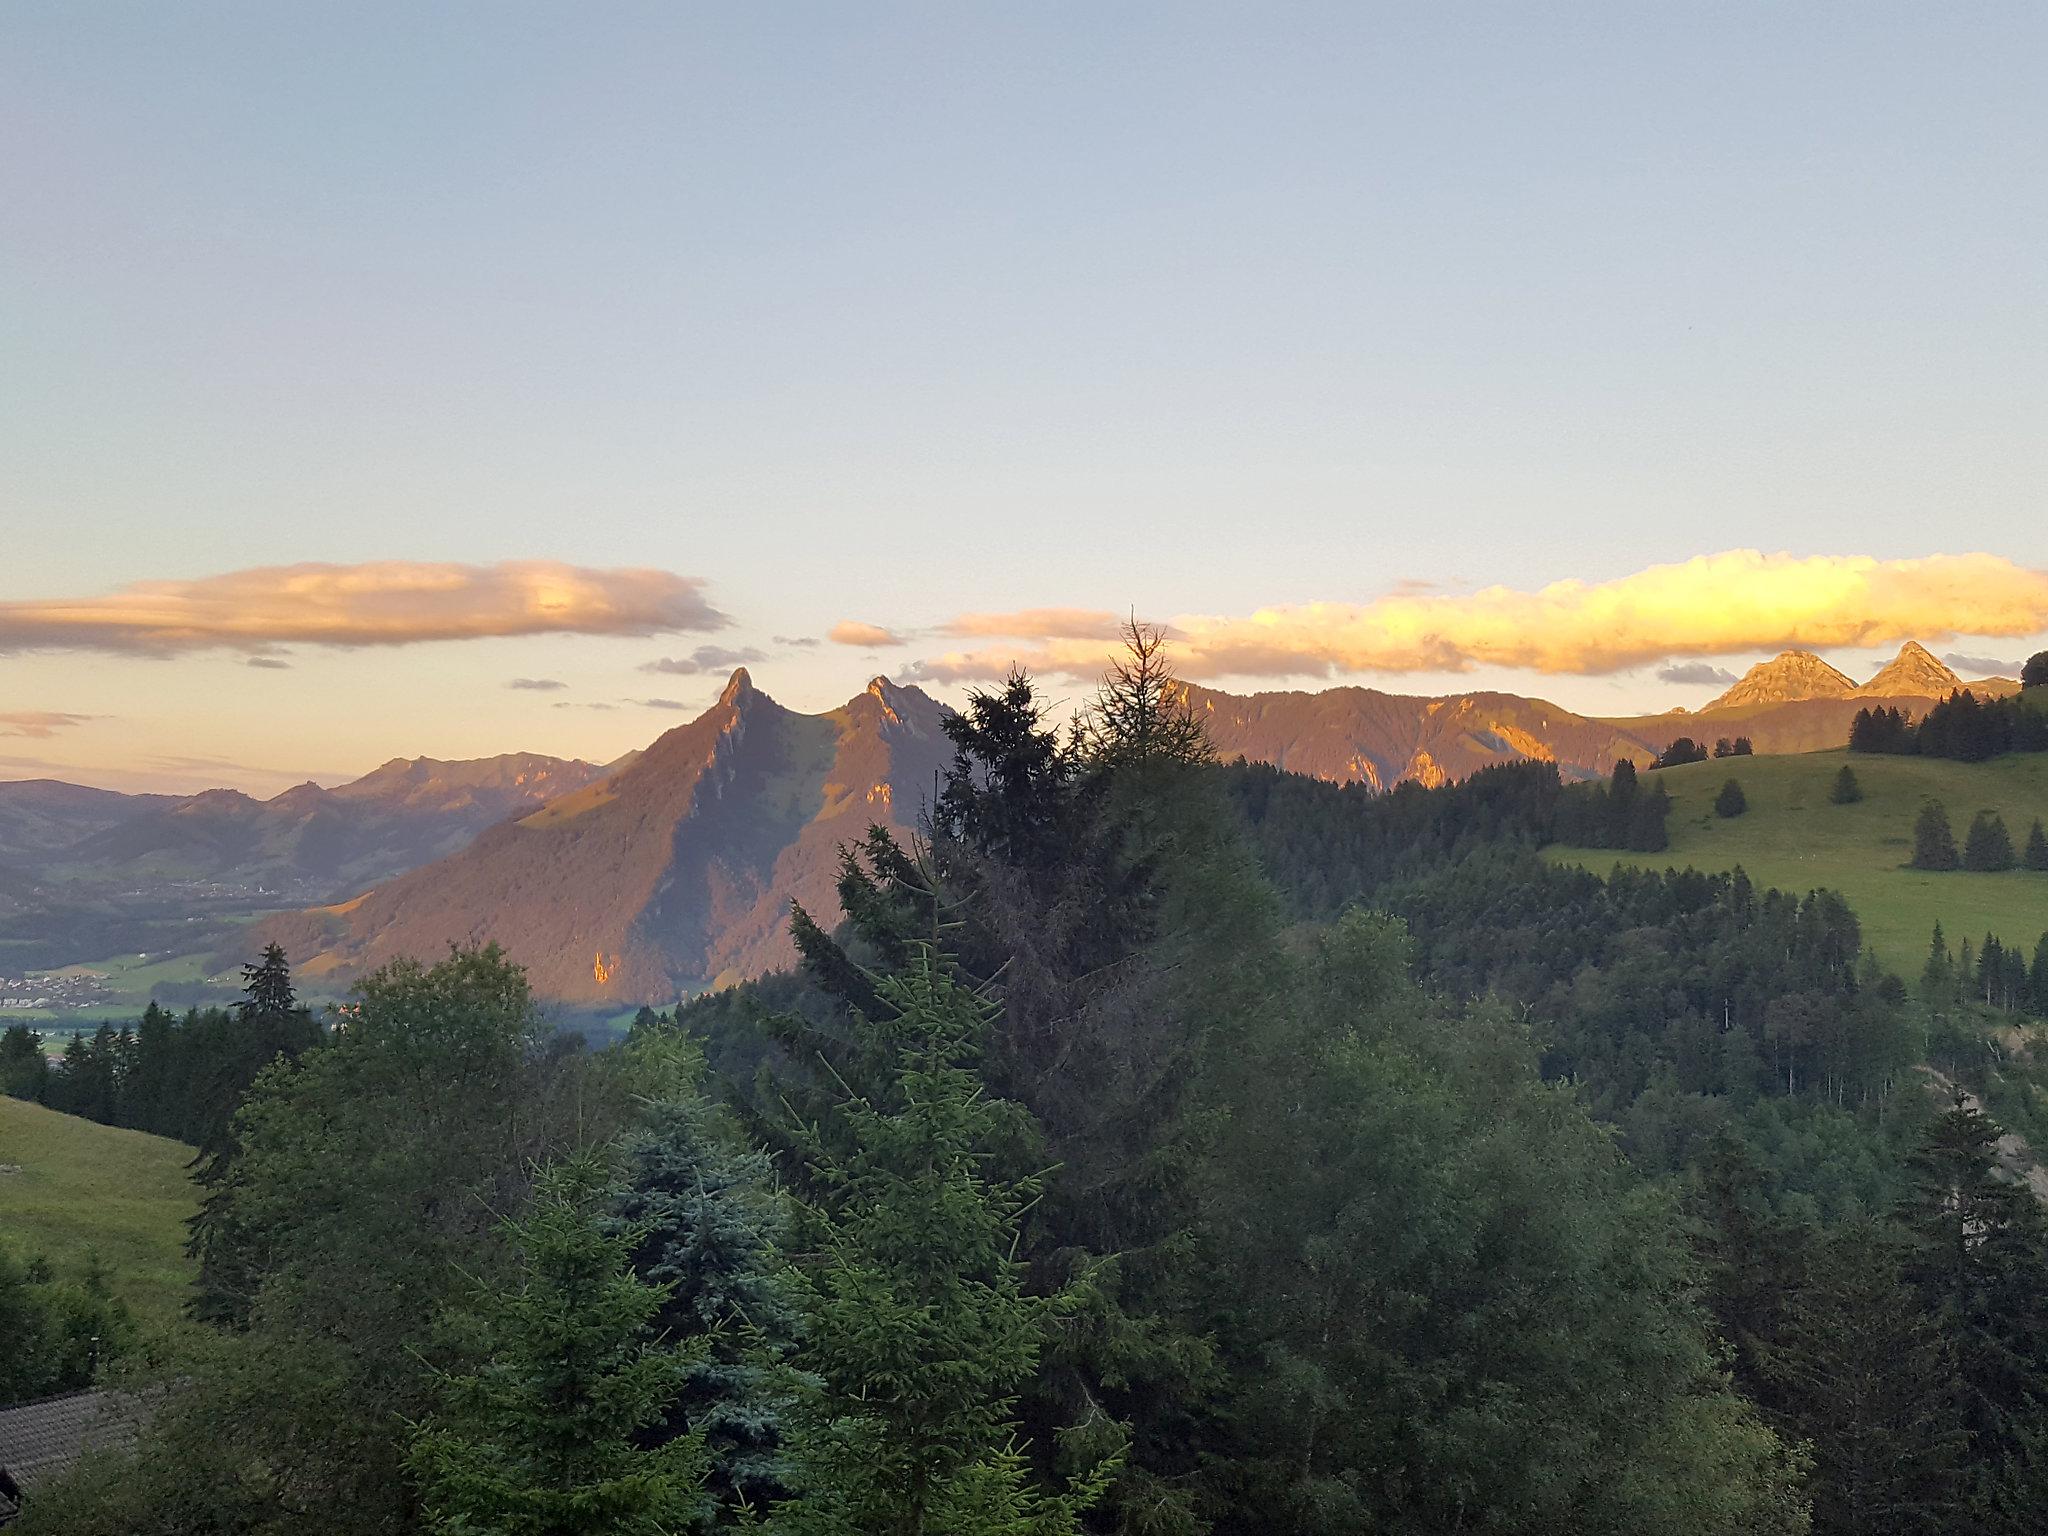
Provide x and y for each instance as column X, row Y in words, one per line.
column 389, row 602
column 1715, row 605
column 1039, row 624
column 853, row 632
column 40, row 724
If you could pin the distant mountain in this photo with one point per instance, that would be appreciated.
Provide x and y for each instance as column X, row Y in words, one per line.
column 1787, row 677
column 1360, row 735
column 39, row 817
column 671, row 874
column 343, row 840
column 1913, row 674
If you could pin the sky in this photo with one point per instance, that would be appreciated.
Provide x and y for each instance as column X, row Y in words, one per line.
column 386, row 380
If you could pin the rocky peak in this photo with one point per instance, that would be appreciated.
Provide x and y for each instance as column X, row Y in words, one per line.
column 739, row 688
column 1788, row 675
column 1915, row 673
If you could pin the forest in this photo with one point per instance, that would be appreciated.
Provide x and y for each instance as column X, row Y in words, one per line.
column 1157, row 1146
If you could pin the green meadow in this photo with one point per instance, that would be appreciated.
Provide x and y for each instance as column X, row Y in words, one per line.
column 70, row 1187
column 1794, row 838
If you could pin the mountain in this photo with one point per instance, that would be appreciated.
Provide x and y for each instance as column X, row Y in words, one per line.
column 1786, row 677
column 1360, row 735
column 1913, row 674
column 39, row 817
column 672, row 873
column 313, row 840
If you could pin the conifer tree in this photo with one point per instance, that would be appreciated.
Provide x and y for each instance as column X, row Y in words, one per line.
column 704, row 1223
column 1865, row 1377
column 2036, row 857
column 1846, row 790
column 918, row 1333
column 539, row 1438
column 1988, row 848
column 1934, row 842
column 2037, row 978
column 1731, row 802
column 1938, row 978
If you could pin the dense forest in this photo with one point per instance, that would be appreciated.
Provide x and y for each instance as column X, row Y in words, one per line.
column 1158, row 1147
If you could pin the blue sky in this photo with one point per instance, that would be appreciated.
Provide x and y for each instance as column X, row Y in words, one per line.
column 900, row 313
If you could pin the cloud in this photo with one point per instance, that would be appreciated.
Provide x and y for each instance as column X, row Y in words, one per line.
column 1039, row 624
column 706, row 658
column 1700, row 673
column 661, row 703
column 269, row 663
column 803, row 641
column 537, row 684
column 853, row 632
column 39, row 724
column 391, row 602
column 1714, row 605
column 1981, row 666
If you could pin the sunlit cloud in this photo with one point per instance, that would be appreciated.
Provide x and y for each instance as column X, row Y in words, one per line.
column 391, row 602
column 1695, row 673
column 706, row 658
column 853, row 632
column 267, row 663
column 537, row 685
column 1725, row 604
column 1038, row 624
column 39, row 724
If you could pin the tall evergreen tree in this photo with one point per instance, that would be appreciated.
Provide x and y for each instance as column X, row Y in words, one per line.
column 540, row 1438
column 1731, row 801
column 1934, row 843
column 1846, row 790
column 918, row 1333
column 2036, row 857
column 1988, row 848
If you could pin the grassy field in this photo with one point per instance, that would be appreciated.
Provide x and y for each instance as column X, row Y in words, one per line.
column 1793, row 838
column 82, row 1187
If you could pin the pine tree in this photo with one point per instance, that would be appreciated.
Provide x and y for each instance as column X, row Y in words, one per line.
column 2037, row 848
column 700, row 1208
column 24, row 1069
column 539, row 1437
column 1731, row 802
column 1846, row 790
column 1863, row 1375
column 1988, row 848
column 1934, row 843
column 918, row 1333
column 2037, row 978
column 1938, row 979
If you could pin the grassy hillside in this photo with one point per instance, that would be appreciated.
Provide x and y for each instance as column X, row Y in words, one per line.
column 69, row 1186
column 1793, row 838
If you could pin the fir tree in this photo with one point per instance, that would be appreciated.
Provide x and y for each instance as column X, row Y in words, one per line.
column 2037, row 848
column 1938, row 978
column 1731, row 802
column 539, row 1438
column 1846, row 790
column 1988, row 848
column 918, row 1334
column 704, row 1221
column 1934, row 843
column 2037, row 978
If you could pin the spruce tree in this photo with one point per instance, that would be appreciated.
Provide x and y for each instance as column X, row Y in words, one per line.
column 1846, row 790
column 1988, row 848
column 1867, row 1379
column 1731, row 802
column 2036, row 857
column 1938, row 978
column 1934, row 843
column 2037, row 978
column 540, row 1435
column 918, row 1333
column 701, row 1210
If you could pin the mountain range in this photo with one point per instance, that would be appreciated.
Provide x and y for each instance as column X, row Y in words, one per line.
column 672, row 869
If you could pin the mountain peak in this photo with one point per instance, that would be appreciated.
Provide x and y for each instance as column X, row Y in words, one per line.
column 738, row 688
column 1786, row 676
column 1914, row 673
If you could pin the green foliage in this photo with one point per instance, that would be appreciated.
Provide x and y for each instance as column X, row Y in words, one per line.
column 1730, row 803
column 1846, row 790
column 538, row 1438
column 1934, row 844
column 1449, row 1306
column 918, row 1335
column 56, row 1334
column 2035, row 673
column 1988, row 847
